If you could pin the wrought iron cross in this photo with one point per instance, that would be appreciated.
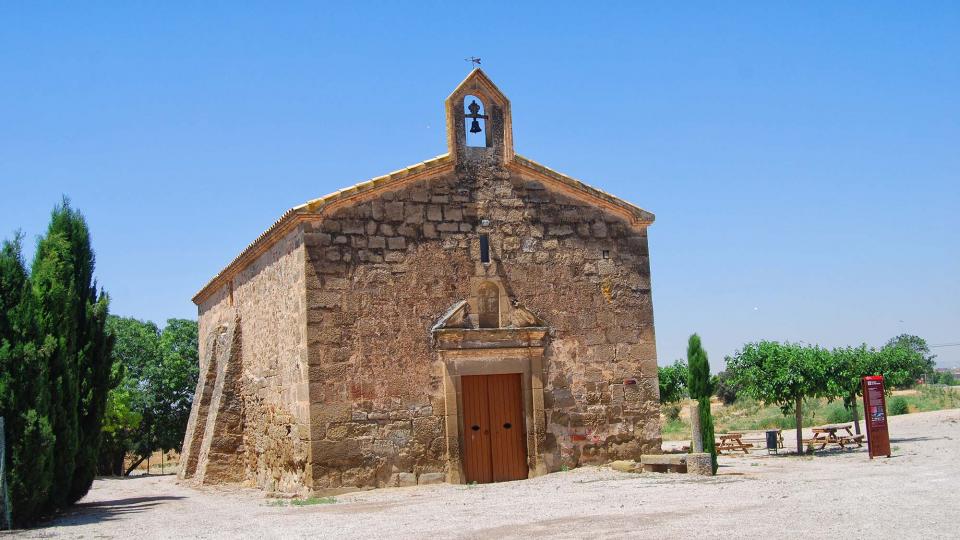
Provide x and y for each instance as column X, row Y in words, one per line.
column 475, row 114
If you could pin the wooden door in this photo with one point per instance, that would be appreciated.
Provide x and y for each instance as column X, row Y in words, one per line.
column 495, row 447
column 476, row 429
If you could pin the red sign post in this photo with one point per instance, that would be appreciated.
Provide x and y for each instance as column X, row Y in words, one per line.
column 875, row 412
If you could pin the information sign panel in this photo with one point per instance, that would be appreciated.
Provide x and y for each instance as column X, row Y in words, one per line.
column 875, row 412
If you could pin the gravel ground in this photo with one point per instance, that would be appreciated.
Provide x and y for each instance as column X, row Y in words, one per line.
column 837, row 493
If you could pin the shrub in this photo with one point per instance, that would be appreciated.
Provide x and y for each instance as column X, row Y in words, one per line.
column 673, row 381
column 725, row 388
column 838, row 415
column 672, row 411
column 898, row 406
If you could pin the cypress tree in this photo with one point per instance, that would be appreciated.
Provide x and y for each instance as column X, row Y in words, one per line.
column 95, row 380
column 55, row 310
column 72, row 312
column 701, row 388
column 25, row 395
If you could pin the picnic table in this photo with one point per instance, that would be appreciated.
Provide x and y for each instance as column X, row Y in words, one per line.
column 732, row 441
column 839, row 434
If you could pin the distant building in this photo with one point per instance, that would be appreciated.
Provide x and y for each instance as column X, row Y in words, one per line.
column 474, row 317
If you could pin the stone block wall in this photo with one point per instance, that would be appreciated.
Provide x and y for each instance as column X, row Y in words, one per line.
column 381, row 271
column 268, row 393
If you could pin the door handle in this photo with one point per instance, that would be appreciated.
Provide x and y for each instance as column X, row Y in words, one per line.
column 507, row 425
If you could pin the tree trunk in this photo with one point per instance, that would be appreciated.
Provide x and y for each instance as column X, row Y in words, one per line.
column 856, row 414
column 799, row 411
column 134, row 465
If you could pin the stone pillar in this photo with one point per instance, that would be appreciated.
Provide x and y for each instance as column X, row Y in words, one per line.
column 696, row 438
column 700, row 464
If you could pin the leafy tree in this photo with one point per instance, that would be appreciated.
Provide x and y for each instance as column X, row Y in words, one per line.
column 701, row 388
column 119, row 426
column 904, row 360
column 725, row 388
column 846, row 368
column 782, row 373
column 151, row 405
column 916, row 344
column 176, row 380
column 136, row 348
column 673, row 381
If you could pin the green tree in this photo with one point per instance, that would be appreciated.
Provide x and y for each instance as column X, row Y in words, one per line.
column 176, row 380
column 136, row 348
column 701, row 388
column 25, row 390
column 71, row 310
column 151, row 405
column 673, row 381
column 725, row 388
column 784, row 374
column 54, row 366
column 846, row 367
column 904, row 360
column 120, row 423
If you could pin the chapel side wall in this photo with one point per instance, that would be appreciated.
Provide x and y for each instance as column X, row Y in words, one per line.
column 269, row 301
column 381, row 272
column 212, row 314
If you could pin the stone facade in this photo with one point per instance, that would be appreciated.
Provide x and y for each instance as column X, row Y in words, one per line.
column 356, row 314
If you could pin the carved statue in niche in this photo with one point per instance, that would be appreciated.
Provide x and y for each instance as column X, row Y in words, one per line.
column 488, row 300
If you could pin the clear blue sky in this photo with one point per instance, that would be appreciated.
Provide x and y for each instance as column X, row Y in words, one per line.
column 803, row 161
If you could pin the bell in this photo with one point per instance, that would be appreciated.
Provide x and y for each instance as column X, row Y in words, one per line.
column 475, row 126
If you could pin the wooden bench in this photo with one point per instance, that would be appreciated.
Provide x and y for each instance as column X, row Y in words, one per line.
column 732, row 441
column 832, row 434
column 851, row 439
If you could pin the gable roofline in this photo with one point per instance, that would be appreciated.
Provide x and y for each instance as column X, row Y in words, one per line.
column 583, row 191
column 478, row 76
column 317, row 209
column 313, row 210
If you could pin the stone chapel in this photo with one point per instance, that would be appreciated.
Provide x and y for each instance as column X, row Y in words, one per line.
column 476, row 317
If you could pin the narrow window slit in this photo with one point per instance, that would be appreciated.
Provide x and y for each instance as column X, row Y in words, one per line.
column 484, row 248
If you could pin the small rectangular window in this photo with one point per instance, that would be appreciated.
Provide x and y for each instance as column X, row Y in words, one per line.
column 484, row 248
column 606, row 254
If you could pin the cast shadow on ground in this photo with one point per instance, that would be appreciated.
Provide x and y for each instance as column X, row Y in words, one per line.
column 85, row 513
column 917, row 439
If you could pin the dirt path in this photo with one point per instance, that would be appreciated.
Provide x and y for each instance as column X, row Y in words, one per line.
column 842, row 493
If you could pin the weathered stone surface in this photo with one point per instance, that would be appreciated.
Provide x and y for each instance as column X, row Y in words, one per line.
column 406, row 479
column 430, row 478
column 626, row 465
column 700, row 464
column 342, row 385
